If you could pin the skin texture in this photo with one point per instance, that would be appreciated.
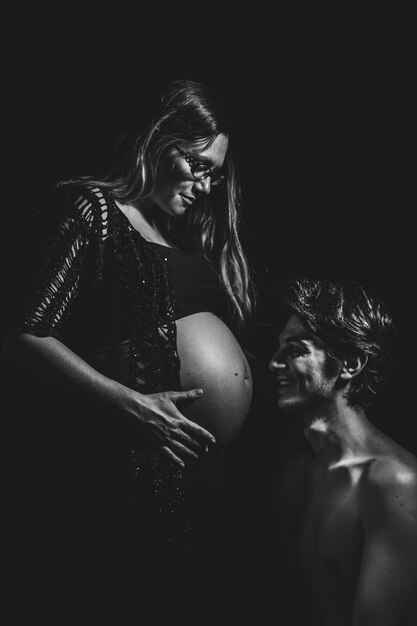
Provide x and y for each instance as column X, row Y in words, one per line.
column 212, row 359
column 350, row 503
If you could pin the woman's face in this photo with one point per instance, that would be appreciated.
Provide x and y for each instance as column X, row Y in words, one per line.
column 176, row 189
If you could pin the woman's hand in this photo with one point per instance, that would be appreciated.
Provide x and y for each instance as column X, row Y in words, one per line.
column 178, row 437
column 155, row 414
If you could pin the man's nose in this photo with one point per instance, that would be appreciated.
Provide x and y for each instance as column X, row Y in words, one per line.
column 275, row 364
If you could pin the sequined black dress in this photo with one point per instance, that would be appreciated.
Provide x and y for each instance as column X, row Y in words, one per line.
column 107, row 294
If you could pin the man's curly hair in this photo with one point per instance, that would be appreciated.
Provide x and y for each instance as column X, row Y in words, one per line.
column 347, row 319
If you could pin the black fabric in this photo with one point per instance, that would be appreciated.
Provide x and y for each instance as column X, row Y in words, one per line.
column 106, row 294
column 195, row 283
column 111, row 509
column 117, row 524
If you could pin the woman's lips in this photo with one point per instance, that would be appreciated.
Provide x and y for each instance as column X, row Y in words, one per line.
column 187, row 199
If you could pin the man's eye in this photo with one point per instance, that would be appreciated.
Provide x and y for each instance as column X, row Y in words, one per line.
column 296, row 350
column 199, row 167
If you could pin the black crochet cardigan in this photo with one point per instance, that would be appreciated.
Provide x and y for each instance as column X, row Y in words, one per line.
column 106, row 293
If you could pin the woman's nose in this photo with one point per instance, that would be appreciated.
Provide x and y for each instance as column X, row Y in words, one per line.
column 204, row 185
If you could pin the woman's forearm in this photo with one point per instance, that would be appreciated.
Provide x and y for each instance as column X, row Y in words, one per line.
column 53, row 363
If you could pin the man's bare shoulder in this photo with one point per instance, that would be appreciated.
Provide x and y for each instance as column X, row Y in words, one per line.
column 390, row 486
column 392, row 465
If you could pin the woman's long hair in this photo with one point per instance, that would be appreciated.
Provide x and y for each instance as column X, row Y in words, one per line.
column 187, row 112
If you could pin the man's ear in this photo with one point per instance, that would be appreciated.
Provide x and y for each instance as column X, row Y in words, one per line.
column 352, row 365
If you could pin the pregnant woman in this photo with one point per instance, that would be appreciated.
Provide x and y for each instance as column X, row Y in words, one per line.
column 142, row 292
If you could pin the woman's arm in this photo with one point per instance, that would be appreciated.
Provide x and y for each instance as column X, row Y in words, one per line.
column 155, row 415
column 35, row 343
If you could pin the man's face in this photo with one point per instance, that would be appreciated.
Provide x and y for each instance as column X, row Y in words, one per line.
column 305, row 374
column 176, row 189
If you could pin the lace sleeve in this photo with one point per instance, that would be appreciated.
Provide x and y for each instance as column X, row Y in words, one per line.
column 62, row 262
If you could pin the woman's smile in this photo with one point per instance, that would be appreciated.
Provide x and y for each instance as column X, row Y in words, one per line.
column 188, row 200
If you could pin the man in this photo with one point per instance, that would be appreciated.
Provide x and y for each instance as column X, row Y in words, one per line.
column 351, row 495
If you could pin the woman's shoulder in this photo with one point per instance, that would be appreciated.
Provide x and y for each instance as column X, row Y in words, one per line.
column 81, row 193
column 83, row 201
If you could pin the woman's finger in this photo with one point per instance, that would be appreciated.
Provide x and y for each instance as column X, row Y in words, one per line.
column 197, row 432
column 173, row 457
column 183, row 450
column 184, row 396
column 193, row 443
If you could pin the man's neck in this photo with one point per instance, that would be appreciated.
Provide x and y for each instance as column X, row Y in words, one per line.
column 338, row 435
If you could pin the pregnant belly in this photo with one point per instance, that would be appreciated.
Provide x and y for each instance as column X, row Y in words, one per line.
column 212, row 359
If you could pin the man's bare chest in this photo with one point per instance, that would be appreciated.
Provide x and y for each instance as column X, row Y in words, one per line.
column 330, row 537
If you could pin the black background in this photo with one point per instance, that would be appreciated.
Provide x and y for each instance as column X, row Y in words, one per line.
column 323, row 116
column 323, row 121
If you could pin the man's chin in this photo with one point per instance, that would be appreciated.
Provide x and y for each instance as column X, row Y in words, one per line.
column 289, row 405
